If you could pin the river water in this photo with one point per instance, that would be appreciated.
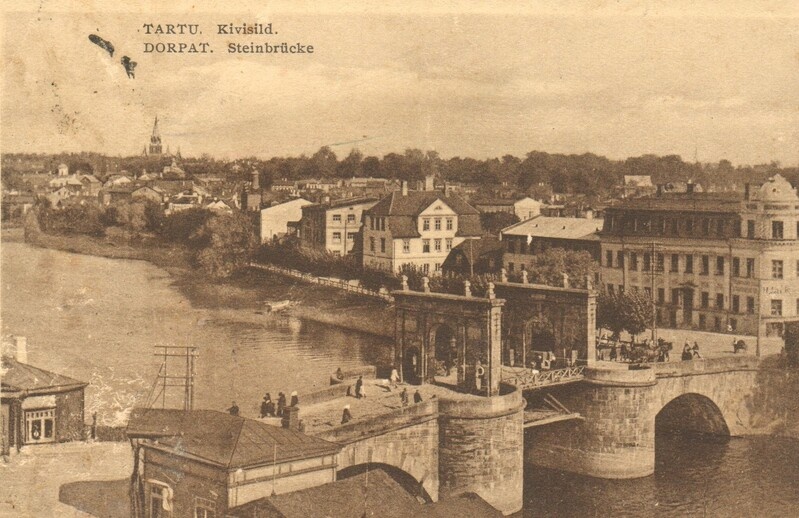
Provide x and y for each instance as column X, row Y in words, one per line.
column 99, row 319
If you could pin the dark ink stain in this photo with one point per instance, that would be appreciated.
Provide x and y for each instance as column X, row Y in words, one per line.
column 103, row 44
column 129, row 65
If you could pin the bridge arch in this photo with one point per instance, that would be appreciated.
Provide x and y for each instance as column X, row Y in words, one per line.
column 691, row 413
column 402, row 477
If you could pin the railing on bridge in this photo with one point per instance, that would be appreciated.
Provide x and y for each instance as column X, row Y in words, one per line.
column 527, row 379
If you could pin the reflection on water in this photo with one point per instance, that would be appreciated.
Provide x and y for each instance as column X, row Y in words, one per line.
column 97, row 320
column 694, row 476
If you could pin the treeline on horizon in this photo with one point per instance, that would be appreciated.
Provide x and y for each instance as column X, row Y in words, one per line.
column 585, row 173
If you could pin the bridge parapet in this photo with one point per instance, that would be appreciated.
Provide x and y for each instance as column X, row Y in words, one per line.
column 615, row 377
column 382, row 424
column 706, row 366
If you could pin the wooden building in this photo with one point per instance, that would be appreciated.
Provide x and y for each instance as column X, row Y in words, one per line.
column 38, row 406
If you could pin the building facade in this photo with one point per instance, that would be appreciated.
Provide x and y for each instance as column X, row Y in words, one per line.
column 710, row 261
column 275, row 219
column 528, row 238
column 417, row 228
column 524, row 208
column 38, row 406
column 333, row 226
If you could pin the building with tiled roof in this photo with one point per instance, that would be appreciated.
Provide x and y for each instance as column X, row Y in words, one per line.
column 528, row 238
column 710, row 261
column 416, row 228
column 38, row 406
column 204, row 462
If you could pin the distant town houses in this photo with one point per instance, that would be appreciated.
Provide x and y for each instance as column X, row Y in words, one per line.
column 333, row 226
column 475, row 257
column 523, row 208
column 416, row 228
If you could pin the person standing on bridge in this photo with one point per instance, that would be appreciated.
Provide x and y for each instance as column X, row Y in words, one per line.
column 359, row 388
column 295, row 400
column 695, row 351
column 346, row 416
column 686, row 352
column 394, row 378
column 404, row 396
column 234, row 410
column 281, row 403
column 417, row 397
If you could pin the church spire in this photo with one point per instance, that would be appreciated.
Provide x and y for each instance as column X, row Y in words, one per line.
column 155, row 139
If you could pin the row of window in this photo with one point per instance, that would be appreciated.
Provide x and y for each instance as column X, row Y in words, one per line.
column 677, row 294
column 675, row 226
column 337, row 236
column 406, row 245
column 777, row 265
column 437, row 223
column 350, row 218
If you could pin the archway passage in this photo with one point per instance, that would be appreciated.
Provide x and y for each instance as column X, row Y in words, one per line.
column 412, row 366
column 691, row 414
column 446, row 350
column 403, row 478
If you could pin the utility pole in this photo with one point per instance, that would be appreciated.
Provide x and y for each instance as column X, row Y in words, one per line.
column 184, row 381
column 652, row 262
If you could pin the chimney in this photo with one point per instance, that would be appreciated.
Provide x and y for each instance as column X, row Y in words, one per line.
column 659, row 189
column 256, row 180
column 429, row 182
column 690, row 187
column 404, row 188
column 326, row 200
column 21, row 349
column 747, row 190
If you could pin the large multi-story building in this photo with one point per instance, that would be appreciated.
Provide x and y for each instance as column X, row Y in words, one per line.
column 416, row 228
column 712, row 261
column 333, row 226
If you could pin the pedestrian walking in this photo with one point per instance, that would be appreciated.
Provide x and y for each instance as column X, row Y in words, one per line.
column 346, row 416
column 404, row 396
column 267, row 407
column 234, row 410
column 394, row 378
column 295, row 399
column 359, row 387
column 281, row 404
column 417, row 397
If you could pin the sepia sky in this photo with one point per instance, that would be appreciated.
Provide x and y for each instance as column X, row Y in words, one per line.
column 721, row 81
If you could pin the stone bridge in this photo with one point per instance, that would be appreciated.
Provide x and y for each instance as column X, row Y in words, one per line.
column 444, row 446
column 623, row 408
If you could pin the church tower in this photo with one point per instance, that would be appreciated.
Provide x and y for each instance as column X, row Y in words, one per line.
column 155, row 139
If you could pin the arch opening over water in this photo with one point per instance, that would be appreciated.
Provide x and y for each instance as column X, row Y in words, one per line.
column 403, row 478
column 691, row 414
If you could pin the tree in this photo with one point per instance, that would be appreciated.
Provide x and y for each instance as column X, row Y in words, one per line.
column 549, row 266
column 627, row 311
column 493, row 222
column 229, row 244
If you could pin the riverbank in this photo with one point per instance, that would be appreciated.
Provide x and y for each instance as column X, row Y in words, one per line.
column 247, row 290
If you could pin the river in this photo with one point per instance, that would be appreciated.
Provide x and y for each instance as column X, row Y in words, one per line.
column 99, row 319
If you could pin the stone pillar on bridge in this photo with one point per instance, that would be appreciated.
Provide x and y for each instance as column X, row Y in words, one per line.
column 481, row 449
column 616, row 437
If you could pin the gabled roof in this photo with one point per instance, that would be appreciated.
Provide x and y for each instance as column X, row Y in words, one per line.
column 413, row 203
column 222, row 439
column 553, row 227
column 18, row 377
column 403, row 210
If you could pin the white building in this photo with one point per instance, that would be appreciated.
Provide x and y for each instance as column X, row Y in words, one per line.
column 416, row 228
column 275, row 219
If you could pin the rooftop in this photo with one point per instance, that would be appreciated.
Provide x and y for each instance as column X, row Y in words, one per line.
column 554, row 227
column 686, row 202
column 414, row 202
column 223, row 439
column 17, row 377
